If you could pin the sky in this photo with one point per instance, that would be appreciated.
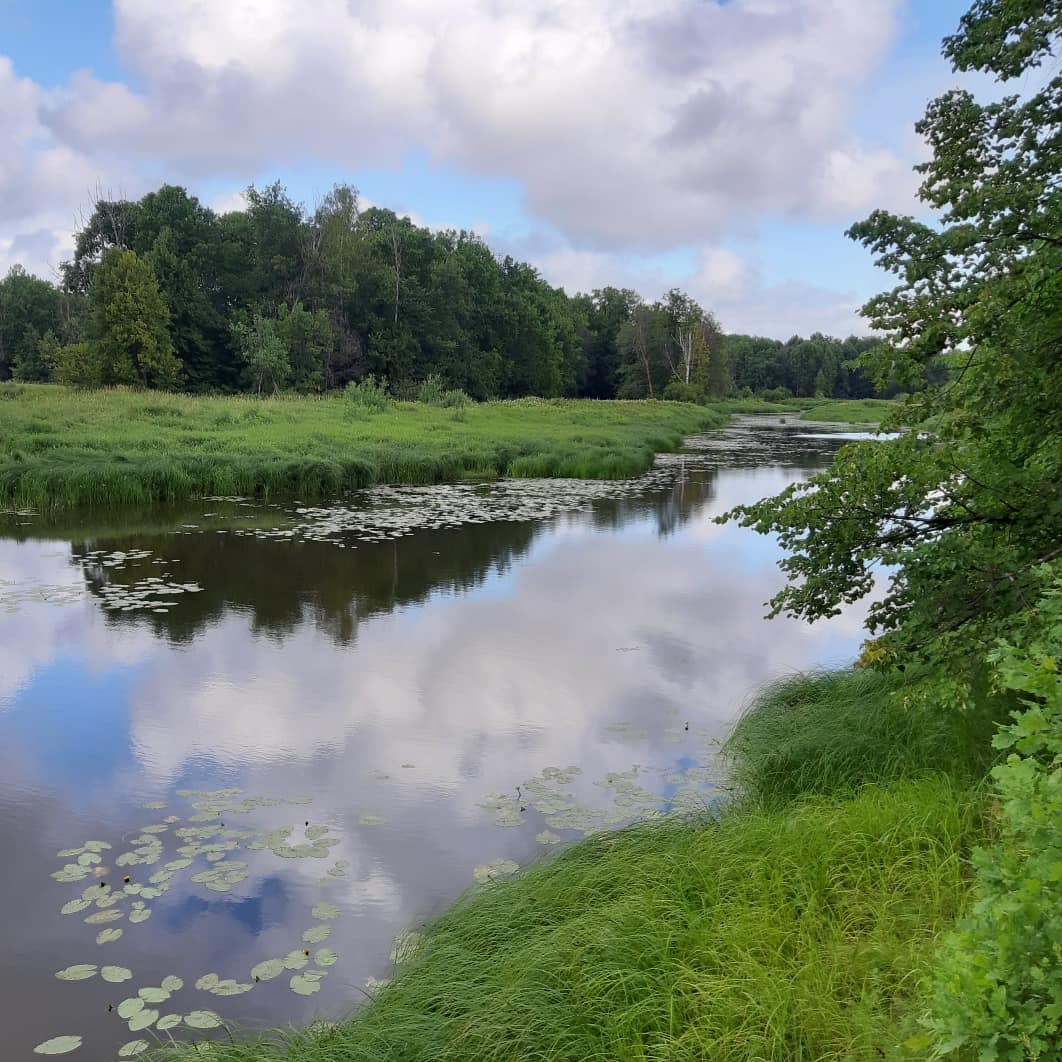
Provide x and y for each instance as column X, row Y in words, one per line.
column 721, row 146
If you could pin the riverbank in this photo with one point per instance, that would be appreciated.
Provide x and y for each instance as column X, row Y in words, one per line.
column 64, row 448
column 798, row 922
column 863, row 411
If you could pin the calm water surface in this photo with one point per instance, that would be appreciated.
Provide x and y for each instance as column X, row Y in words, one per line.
column 429, row 686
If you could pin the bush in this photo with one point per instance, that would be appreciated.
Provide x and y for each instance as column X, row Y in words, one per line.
column 367, row 396
column 433, row 393
column 776, row 394
column 676, row 391
column 79, row 365
column 998, row 986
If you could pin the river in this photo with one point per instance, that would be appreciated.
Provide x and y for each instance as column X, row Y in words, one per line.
column 308, row 728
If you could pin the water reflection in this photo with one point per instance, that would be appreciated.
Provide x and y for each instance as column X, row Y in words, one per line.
column 400, row 683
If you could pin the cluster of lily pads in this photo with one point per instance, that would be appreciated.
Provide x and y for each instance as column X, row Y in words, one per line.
column 149, row 594
column 686, row 789
column 203, row 837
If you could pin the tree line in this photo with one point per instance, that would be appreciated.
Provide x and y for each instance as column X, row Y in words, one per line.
column 166, row 293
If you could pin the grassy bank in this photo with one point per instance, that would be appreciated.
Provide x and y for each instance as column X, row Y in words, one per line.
column 797, row 923
column 847, row 411
column 60, row 447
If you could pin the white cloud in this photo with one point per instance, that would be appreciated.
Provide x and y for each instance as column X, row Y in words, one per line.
column 630, row 124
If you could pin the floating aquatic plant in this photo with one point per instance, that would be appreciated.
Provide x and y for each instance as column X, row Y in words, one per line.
column 58, row 1045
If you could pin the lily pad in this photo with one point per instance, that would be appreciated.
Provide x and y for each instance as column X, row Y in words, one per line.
column 372, row 820
column 325, row 957
column 73, row 906
column 230, row 987
column 105, row 936
column 304, row 986
column 153, row 995
column 96, row 846
column 102, row 917
column 325, row 912
column 128, row 1007
column 141, row 914
column 88, row 859
column 143, row 1019
column 58, row 1045
column 81, row 972
column 116, row 974
column 134, row 1047
column 207, row 982
column 202, row 1019
column 296, row 960
column 168, row 1021
column 315, row 934
column 172, row 983
column 266, row 971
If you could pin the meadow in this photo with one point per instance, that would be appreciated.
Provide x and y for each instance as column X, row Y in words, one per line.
column 61, row 447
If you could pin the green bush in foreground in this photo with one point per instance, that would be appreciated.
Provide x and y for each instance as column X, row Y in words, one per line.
column 998, row 988
column 767, row 935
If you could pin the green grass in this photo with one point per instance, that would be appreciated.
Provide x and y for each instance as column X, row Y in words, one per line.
column 847, row 411
column 833, row 731
column 800, row 933
column 60, row 447
column 799, row 922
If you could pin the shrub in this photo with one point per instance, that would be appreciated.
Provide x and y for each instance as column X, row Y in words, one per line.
column 79, row 365
column 367, row 396
column 776, row 394
column 998, row 985
column 677, row 391
column 431, row 391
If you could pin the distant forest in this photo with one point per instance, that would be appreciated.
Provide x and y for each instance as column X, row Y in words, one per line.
column 166, row 293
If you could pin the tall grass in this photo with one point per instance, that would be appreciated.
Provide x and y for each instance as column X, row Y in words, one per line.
column 798, row 923
column 833, row 731
column 759, row 935
column 60, row 447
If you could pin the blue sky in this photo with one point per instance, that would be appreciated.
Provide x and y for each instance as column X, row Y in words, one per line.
column 720, row 147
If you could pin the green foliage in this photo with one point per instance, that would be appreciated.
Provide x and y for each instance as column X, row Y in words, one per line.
column 29, row 306
column 683, row 392
column 79, row 365
column 835, row 731
column 128, row 323
column 367, row 396
column 125, row 447
column 755, row 935
column 998, row 985
column 263, row 352
column 964, row 506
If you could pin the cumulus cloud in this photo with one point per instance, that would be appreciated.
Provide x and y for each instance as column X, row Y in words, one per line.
column 638, row 125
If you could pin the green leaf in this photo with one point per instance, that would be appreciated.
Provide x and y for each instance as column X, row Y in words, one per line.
column 105, row 936
column 202, row 1019
column 172, row 983
column 168, row 1021
column 58, row 1045
column 304, row 986
column 153, row 995
column 267, row 970
column 315, row 934
column 128, row 1007
column 116, row 974
column 77, row 973
column 142, row 1019
column 325, row 957
column 134, row 1047
column 325, row 912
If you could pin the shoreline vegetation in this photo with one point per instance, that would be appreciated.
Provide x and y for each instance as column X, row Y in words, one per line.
column 798, row 920
column 63, row 448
